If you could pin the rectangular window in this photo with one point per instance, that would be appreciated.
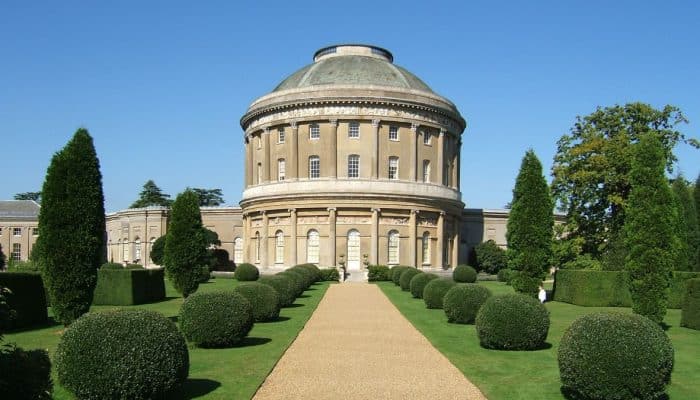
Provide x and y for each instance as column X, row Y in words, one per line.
column 259, row 173
column 314, row 167
column 354, row 130
column 393, row 168
column 281, row 169
column 353, row 166
column 35, row 231
column 426, row 171
column 314, row 132
column 280, row 135
column 426, row 137
column 17, row 231
column 393, row 133
column 16, row 254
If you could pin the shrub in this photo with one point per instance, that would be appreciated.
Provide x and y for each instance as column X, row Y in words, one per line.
column 284, row 287
column 406, row 276
column 489, row 257
column 216, row 319
column 378, row 273
column 314, row 270
column 462, row 302
column 678, row 287
column 124, row 354
column 204, row 274
column 512, row 322
column 246, row 272
column 584, row 261
column 592, row 288
column 330, row 275
column 264, row 300
column 464, row 274
column 296, row 280
column 615, row 356
column 111, row 265
column 308, row 276
column 158, row 250
column 26, row 374
column 125, row 287
column 505, row 275
column 28, row 298
column 435, row 291
column 418, row 282
column 23, row 266
column 396, row 274
column 393, row 270
column 219, row 261
column 690, row 314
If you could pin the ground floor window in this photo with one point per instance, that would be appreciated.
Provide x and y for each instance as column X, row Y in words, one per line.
column 16, row 254
column 279, row 247
column 137, row 249
column 393, row 247
column 426, row 248
column 312, row 247
column 257, row 247
column 238, row 250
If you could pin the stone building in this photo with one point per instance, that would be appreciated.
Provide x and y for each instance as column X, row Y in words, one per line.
column 18, row 228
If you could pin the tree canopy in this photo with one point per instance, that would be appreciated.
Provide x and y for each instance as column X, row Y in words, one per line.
column 592, row 167
column 209, row 197
column 152, row 195
column 36, row 196
column 686, row 227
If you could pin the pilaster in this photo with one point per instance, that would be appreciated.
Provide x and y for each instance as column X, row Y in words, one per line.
column 293, row 219
column 375, row 149
column 413, row 166
column 441, row 157
column 266, row 162
column 334, row 149
column 374, row 236
column 263, row 239
column 440, row 240
column 412, row 223
column 293, row 153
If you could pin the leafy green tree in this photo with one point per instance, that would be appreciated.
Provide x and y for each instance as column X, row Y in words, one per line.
column 686, row 226
column 36, row 196
column 152, row 195
column 696, row 196
column 158, row 250
column 649, row 230
column 530, row 226
column 185, row 244
column 490, row 257
column 71, row 246
column 209, row 197
column 592, row 166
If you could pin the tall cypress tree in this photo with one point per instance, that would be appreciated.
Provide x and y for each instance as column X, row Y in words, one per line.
column 530, row 226
column 71, row 247
column 185, row 244
column 649, row 229
column 686, row 226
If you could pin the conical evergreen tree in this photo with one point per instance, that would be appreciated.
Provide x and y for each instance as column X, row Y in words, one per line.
column 151, row 195
column 530, row 226
column 71, row 247
column 185, row 244
column 686, row 226
column 649, row 229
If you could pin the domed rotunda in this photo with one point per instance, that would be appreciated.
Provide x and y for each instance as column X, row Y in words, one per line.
column 352, row 159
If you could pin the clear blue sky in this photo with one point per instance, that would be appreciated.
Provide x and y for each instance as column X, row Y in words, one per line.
column 161, row 85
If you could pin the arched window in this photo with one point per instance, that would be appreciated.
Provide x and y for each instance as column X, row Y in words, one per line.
column 279, row 247
column 137, row 249
column 426, row 248
column 257, row 247
column 281, row 169
column 393, row 168
column 353, row 166
column 393, row 247
column 314, row 167
column 238, row 250
column 426, row 171
column 125, row 250
column 312, row 246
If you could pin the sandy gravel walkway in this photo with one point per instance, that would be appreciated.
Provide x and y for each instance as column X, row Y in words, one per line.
column 358, row 346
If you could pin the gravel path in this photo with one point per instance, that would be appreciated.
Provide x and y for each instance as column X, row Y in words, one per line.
column 358, row 346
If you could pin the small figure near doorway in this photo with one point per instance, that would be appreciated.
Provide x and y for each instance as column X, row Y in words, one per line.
column 542, row 294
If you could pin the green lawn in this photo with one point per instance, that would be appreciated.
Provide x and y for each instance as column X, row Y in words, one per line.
column 532, row 374
column 234, row 373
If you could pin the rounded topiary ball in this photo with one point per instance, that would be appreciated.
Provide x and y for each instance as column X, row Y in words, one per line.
column 314, row 269
column 396, row 274
column 216, row 319
column 308, row 275
column 435, row 290
column 122, row 354
column 462, row 302
column 284, row 287
column 464, row 274
column 615, row 356
column 418, row 283
column 264, row 300
column 512, row 322
column 406, row 276
column 298, row 281
column 246, row 272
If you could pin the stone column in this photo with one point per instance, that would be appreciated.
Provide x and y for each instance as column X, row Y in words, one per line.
column 332, row 235
column 334, row 148
column 412, row 224
column 246, row 239
column 266, row 160
column 441, row 157
column 293, row 153
column 293, row 218
column 375, row 149
column 413, row 162
column 440, row 239
column 374, row 236
column 455, row 167
column 263, row 239
column 455, row 243
column 458, row 185
column 248, row 161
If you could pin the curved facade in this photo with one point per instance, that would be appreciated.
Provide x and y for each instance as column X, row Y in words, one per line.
column 352, row 159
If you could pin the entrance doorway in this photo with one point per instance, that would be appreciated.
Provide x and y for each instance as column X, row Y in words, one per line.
column 353, row 250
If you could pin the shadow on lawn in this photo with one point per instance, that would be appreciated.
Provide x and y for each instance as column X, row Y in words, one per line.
column 295, row 305
column 193, row 388
column 279, row 319
column 250, row 341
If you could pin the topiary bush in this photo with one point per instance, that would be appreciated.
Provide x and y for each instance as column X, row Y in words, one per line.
column 434, row 292
column 615, row 356
column 396, row 274
column 464, row 274
column 512, row 322
column 690, row 312
column 309, row 277
column 111, row 265
column 462, row 302
column 418, row 282
column 506, row 275
column 406, row 276
column 330, row 275
column 204, row 274
column 264, row 300
column 296, row 280
column 122, row 354
column 490, row 257
column 316, row 272
column 216, row 319
column 26, row 375
column 284, row 287
column 378, row 273
column 246, row 272
column 27, row 298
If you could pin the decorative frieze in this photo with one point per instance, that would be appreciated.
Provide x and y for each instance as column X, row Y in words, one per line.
column 393, row 221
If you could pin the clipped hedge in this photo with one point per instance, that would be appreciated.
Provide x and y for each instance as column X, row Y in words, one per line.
column 678, row 288
column 246, row 272
column 330, row 275
column 378, row 273
column 308, row 276
column 512, row 322
column 216, row 319
column 298, row 279
column 284, row 287
column 614, row 356
column 264, row 300
column 396, row 274
column 28, row 298
column 26, row 375
column 126, row 287
column 406, row 276
column 122, row 354
column 506, row 275
column 464, row 274
column 690, row 313
column 435, row 291
column 418, row 283
column 462, row 302
column 313, row 269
